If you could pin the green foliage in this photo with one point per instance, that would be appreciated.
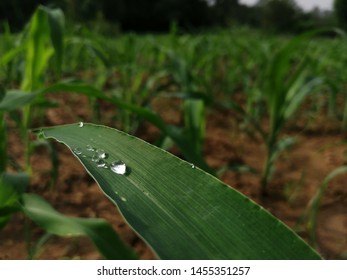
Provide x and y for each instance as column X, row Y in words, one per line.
column 99, row 231
column 43, row 38
column 263, row 78
column 12, row 186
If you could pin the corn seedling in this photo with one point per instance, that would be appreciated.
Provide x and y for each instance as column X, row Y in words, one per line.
column 313, row 208
column 41, row 40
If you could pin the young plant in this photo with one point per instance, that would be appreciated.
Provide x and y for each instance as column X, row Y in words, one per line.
column 41, row 40
column 314, row 204
column 284, row 85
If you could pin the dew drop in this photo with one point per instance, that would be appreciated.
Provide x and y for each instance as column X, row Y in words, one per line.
column 78, row 151
column 100, row 163
column 90, row 148
column 95, row 157
column 123, row 198
column 101, row 154
column 193, row 166
column 80, row 124
column 118, row 167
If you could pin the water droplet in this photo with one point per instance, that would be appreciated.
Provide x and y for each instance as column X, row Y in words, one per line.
column 95, row 158
column 123, row 198
column 118, row 167
column 90, row 148
column 193, row 166
column 101, row 154
column 100, row 163
column 80, row 124
column 78, row 151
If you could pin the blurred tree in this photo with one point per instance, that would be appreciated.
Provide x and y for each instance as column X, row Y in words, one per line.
column 316, row 19
column 225, row 11
column 18, row 12
column 157, row 15
column 340, row 11
column 279, row 15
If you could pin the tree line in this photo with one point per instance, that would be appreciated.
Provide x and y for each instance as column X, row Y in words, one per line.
column 158, row 15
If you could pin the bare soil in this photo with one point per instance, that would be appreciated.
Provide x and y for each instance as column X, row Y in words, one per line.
column 298, row 174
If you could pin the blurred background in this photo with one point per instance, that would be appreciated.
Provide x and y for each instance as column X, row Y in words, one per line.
column 253, row 92
column 158, row 15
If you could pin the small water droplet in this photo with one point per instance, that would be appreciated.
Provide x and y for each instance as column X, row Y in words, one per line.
column 123, row 198
column 100, row 163
column 101, row 154
column 193, row 166
column 80, row 124
column 118, row 167
column 95, row 158
column 78, row 151
column 90, row 148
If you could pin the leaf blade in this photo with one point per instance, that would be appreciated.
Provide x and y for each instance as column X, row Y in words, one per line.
column 98, row 230
column 180, row 211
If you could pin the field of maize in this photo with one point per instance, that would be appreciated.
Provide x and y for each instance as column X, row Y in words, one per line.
column 265, row 114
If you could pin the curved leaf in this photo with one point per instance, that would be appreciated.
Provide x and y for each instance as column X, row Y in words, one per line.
column 98, row 230
column 15, row 99
column 181, row 211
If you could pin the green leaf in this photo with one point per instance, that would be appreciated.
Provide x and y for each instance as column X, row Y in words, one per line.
column 312, row 210
column 98, row 230
column 11, row 187
column 37, row 51
column 194, row 118
column 181, row 211
column 15, row 99
column 56, row 23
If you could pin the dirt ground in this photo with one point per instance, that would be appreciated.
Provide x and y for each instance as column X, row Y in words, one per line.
column 299, row 172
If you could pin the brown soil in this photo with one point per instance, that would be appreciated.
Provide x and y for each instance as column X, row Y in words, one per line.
column 299, row 172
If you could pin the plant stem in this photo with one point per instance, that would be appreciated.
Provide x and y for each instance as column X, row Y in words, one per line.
column 25, row 135
column 3, row 144
column 270, row 148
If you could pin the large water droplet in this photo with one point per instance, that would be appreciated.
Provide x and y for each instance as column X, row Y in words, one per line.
column 77, row 151
column 80, row 124
column 118, row 167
